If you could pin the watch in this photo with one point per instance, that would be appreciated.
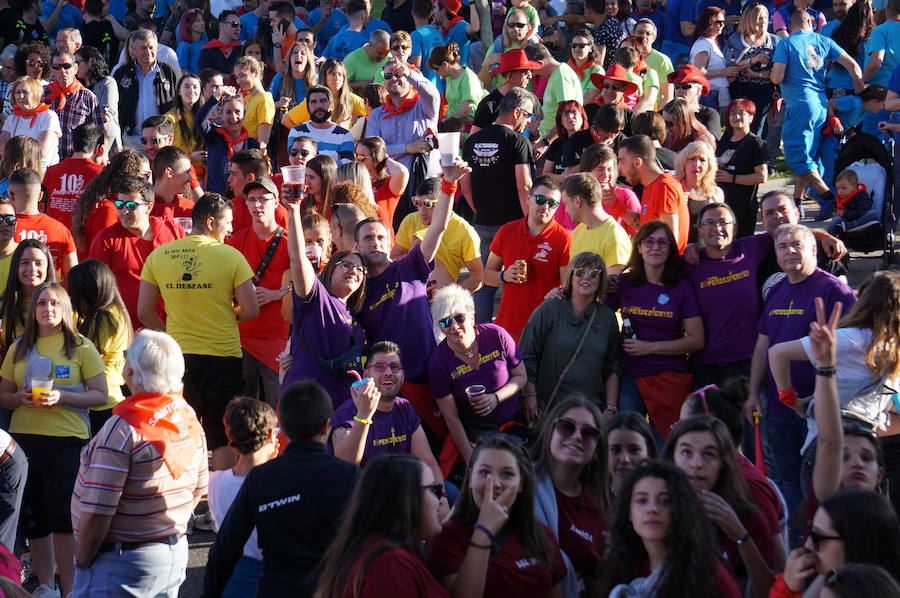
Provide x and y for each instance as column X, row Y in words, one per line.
column 286, row 289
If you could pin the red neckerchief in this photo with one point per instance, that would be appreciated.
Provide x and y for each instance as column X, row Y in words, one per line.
column 580, row 70
column 408, row 102
column 32, row 114
column 450, row 25
column 621, row 103
column 57, row 92
column 640, row 13
column 843, row 200
column 229, row 142
column 217, row 43
column 168, row 423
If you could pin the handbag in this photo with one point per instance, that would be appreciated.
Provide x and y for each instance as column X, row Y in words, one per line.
column 350, row 359
column 571, row 362
column 871, row 404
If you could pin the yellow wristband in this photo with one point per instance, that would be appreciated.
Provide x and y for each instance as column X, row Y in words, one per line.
column 367, row 422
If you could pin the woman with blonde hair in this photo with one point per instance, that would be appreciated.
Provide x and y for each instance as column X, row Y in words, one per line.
column 751, row 49
column 682, row 126
column 292, row 83
column 347, row 105
column 348, row 192
column 695, row 167
column 33, row 118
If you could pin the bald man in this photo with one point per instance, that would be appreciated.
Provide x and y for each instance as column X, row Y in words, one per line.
column 364, row 63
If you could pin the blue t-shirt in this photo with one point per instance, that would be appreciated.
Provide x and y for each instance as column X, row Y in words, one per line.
column 424, row 39
column 189, row 55
column 870, row 122
column 299, row 88
column 335, row 21
column 837, row 76
column 374, row 25
column 885, row 37
column 343, row 43
column 676, row 12
column 69, row 16
column 849, row 110
column 457, row 34
column 830, row 27
column 805, row 53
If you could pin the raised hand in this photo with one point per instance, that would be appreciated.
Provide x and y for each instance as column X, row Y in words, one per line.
column 458, row 170
column 821, row 334
column 365, row 398
column 495, row 511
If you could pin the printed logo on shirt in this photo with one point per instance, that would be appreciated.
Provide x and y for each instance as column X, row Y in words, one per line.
column 725, row 158
column 390, row 293
column 40, row 235
column 581, row 533
column 390, row 440
column 662, row 299
column 465, row 368
column 543, row 252
column 279, row 503
column 813, row 60
column 788, row 311
column 714, row 281
column 642, row 311
column 61, row 371
column 486, row 153
column 525, row 563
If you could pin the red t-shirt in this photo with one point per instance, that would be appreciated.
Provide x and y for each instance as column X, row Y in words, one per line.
column 581, row 529
column 179, row 207
column 49, row 231
column 65, row 183
column 764, row 495
column 510, row 571
column 386, row 201
column 243, row 220
column 100, row 216
column 665, row 195
column 264, row 336
column 395, row 572
column 758, row 529
column 544, row 254
column 125, row 254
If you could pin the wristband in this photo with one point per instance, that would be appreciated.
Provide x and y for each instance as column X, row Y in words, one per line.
column 612, row 409
column 487, row 532
column 367, row 422
column 744, row 540
column 827, row 372
column 481, row 546
column 788, row 397
column 448, row 188
column 500, row 276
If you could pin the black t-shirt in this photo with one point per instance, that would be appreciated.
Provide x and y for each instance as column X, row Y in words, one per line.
column 556, row 152
column 8, row 19
column 741, row 157
column 709, row 118
column 487, row 110
column 398, row 17
column 591, row 109
column 493, row 154
column 580, row 141
column 100, row 35
column 26, row 32
column 666, row 158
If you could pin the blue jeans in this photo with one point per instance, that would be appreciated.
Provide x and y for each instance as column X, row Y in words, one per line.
column 785, row 433
column 13, row 474
column 153, row 571
column 243, row 579
column 838, row 221
column 485, row 296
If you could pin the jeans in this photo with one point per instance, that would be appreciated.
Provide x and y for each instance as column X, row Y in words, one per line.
column 244, row 578
column 718, row 373
column 838, row 224
column 785, row 433
column 13, row 474
column 485, row 296
column 155, row 570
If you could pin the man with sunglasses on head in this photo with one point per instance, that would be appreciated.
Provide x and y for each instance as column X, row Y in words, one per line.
column 222, row 52
column 597, row 231
column 67, row 180
column 125, row 245
column 528, row 257
column 73, row 103
column 244, row 167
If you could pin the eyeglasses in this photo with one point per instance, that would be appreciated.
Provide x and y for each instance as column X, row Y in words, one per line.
column 650, row 243
column 684, row 86
column 8, row 219
column 303, row 152
column 400, row 48
column 585, row 273
column 261, row 199
column 525, row 112
column 458, row 318
column 235, row 24
column 129, row 206
column 32, row 62
column 817, row 538
column 517, row 25
column 361, row 157
column 436, row 489
column 61, row 65
column 571, row 113
column 151, row 141
column 613, row 86
column 543, row 199
column 421, row 202
column 389, row 76
column 382, row 367
column 580, row 46
column 567, row 428
column 351, row 267
column 716, row 223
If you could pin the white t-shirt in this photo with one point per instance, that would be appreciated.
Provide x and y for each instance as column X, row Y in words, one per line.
column 45, row 121
column 223, row 488
column 715, row 62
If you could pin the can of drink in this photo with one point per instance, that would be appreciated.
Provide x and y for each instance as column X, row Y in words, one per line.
column 523, row 277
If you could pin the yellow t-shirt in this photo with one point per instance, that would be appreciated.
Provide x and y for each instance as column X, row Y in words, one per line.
column 259, row 109
column 300, row 113
column 609, row 241
column 114, row 342
column 180, row 141
column 4, row 269
column 460, row 243
column 196, row 277
column 56, row 420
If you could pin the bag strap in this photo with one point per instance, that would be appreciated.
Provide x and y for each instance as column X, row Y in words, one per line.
column 270, row 253
column 572, row 359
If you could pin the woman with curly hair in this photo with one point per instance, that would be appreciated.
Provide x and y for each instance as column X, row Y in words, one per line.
column 659, row 525
column 851, row 35
column 95, row 209
column 93, row 72
column 695, row 167
column 570, row 118
column 348, row 192
column 33, row 60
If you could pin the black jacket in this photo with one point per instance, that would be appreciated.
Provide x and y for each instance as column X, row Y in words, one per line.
column 294, row 502
column 127, row 80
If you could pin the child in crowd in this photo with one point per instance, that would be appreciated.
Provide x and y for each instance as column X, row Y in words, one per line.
column 853, row 202
column 259, row 107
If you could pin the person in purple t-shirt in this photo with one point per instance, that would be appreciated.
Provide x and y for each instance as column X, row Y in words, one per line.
column 787, row 313
column 662, row 308
column 324, row 328
column 473, row 355
column 376, row 420
column 396, row 306
column 724, row 279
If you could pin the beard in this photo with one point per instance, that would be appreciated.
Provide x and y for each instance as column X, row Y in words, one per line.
column 320, row 116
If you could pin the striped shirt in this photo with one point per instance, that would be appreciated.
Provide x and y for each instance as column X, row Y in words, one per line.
column 336, row 142
column 124, row 476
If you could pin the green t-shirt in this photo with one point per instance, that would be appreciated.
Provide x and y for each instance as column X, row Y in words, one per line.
column 660, row 64
column 463, row 88
column 563, row 85
column 362, row 68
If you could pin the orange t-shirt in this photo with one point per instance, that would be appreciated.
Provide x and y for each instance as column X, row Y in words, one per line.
column 53, row 233
column 665, row 195
column 179, row 207
column 65, row 183
column 386, row 200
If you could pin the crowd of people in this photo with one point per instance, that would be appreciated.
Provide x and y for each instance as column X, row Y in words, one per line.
column 466, row 299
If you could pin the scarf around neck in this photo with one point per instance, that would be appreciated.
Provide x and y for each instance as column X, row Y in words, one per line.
column 57, row 92
column 33, row 114
column 408, row 102
column 222, row 46
column 229, row 142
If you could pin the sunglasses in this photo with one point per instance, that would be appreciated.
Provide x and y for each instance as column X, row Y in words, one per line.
column 580, row 46
column 302, row 152
column 421, row 202
column 8, row 219
column 400, row 48
column 614, row 87
column 817, row 538
column 436, row 489
column 567, row 428
column 458, row 318
column 62, row 65
column 151, row 140
column 389, row 76
column 129, row 206
column 719, row 23
column 585, row 273
column 650, row 243
column 235, row 24
column 517, row 25
column 684, row 86
column 525, row 112
column 382, row 367
column 35, row 62
column 350, row 267
column 543, row 199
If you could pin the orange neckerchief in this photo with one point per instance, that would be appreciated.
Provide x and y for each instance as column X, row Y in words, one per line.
column 451, row 24
column 222, row 46
column 57, row 92
column 408, row 102
column 229, row 142
column 168, row 423
column 31, row 113
column 843, row 200
column 580, row 70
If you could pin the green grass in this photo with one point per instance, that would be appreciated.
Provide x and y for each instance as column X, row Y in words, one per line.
column 782, row 170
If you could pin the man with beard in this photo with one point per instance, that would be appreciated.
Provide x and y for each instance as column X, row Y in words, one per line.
column 376, row 419
column 331, row 139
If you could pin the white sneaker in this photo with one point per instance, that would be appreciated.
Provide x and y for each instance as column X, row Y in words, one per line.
column 204, row 522
column 45, row 591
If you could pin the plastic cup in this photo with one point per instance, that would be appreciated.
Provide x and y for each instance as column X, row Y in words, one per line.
column 294, row 178
column 448, row 145
column 474, row 392
column 186, row 223
column 40, row 387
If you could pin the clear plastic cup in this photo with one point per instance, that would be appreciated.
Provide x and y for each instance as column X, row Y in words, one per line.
column 294, row 178
column 186, row 223
column 474, row 392
column 448, row 146
column 39, row 388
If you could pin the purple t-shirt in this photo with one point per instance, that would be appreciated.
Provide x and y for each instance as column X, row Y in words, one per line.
column 786, row 316
column 656, row 313
column 390, row 432
column 449, row 375
column 328, row 328
column 726, row 291
column 396, row 309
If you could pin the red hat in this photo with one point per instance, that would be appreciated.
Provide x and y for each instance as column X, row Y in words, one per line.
column 615, row 73
column 453, row 6
column 515, row 60
column 689, row 74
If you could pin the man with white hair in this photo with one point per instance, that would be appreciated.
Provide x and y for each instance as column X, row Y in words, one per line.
column 68, row 39
column 139, row 480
